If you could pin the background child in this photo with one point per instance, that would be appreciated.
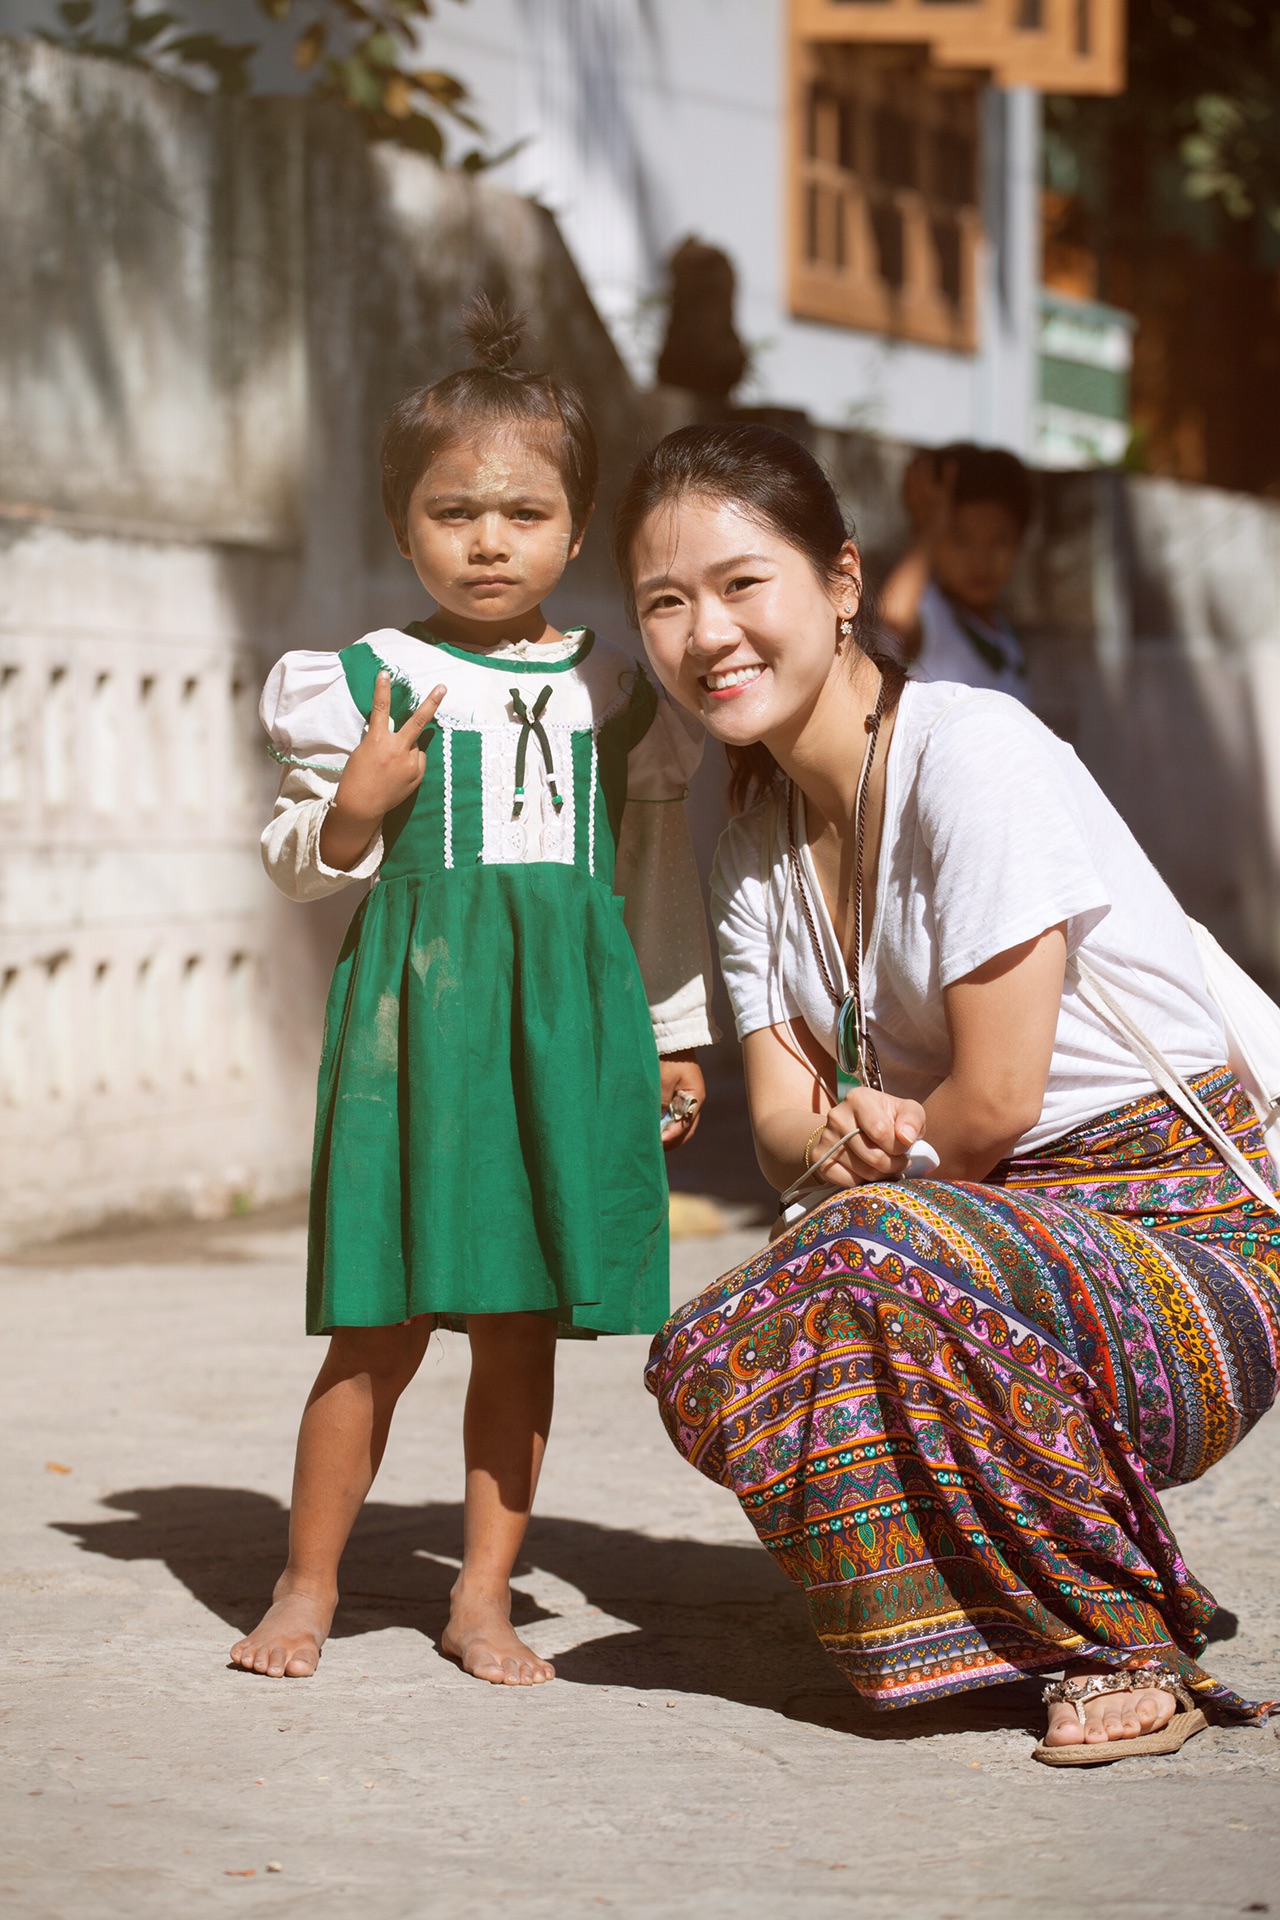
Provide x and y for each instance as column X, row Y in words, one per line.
column 969, row 508
column 488, row 1149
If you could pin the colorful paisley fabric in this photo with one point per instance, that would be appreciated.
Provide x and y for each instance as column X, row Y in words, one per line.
column 947, row 1409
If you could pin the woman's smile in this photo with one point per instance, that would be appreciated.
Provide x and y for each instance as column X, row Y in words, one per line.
column 738, row 626
column 727, row 683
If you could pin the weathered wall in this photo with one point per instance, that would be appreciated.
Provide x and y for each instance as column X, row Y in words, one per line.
column 208, row 307
column 1152, row 613
column 152, row 367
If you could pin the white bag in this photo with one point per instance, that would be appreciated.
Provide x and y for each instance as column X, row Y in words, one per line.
column 1252, row 1022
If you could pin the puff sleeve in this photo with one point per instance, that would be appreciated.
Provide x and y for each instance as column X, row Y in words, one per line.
column 658, row 878
column 314, row 726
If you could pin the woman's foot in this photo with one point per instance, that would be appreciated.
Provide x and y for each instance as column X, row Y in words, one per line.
column 481, row 1638
column 1110, row 1716
column 286, row 1643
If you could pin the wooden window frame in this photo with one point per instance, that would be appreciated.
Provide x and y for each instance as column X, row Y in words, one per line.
column 1056, row 46
column 846, row 220
column 849, row 214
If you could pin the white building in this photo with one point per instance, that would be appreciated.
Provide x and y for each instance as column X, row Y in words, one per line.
column 870, row 166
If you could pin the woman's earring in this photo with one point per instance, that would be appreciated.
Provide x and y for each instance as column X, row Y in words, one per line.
column 844, row 630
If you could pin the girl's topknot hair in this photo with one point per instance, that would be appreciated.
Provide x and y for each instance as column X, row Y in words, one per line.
column 491, row 393
column 494, row 335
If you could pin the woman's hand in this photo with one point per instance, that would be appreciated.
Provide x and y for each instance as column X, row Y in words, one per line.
column 681, row 1076
column 385, row 769
column 886, row 1130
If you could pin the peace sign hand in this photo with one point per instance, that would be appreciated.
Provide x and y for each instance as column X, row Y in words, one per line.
column 385, row 769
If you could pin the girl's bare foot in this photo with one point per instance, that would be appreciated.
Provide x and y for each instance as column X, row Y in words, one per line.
column 481, row 1638
column 286, row 1643
column 1111, row 1716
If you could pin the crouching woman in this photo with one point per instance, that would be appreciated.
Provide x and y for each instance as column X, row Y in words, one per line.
column 948, row 1405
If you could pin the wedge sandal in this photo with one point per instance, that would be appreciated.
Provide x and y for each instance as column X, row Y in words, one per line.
column 1101, row 1753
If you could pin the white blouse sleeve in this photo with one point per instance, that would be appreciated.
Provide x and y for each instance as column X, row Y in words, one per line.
column 657, row 876
column 751, row 953
column 314, row 726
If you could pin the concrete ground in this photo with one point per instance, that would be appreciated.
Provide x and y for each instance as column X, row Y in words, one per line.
column 696, row 1756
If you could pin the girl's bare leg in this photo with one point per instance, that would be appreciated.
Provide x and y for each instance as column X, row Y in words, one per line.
column 505, row 1427
column 340, row 1446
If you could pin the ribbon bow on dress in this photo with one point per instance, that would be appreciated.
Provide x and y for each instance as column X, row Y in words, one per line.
column 531, row 723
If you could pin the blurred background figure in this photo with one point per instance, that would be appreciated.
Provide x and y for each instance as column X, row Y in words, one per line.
column 969, row 509
column 702, row 352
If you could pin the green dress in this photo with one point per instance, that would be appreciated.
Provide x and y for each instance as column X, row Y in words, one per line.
column 487, row 1127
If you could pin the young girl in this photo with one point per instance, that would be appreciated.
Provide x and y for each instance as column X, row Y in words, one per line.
column 489, row 1130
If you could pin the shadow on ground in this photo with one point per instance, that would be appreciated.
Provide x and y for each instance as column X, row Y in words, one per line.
column 709, row 1619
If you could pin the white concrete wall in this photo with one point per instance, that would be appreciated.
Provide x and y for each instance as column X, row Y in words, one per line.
column 148, row 1057
column 643, row 122
column 1152, row 612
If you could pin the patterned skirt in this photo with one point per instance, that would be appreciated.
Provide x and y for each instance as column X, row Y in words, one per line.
column 947, row 1408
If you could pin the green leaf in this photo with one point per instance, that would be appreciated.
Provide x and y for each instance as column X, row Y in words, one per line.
column 379, row 50
column 441, row 86
column 1197, row 151
column 143, row 28
column 477, row 162
column 228, row 62
column 362, row 88
column 310, row 46
column 1218, row 115
column 421, row 134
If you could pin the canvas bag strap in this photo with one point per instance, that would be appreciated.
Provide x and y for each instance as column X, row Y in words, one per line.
column 1170, row 1082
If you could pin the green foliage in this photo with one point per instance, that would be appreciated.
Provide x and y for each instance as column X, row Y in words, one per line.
column 1199, row 123
column 152, row 38
column 357, row 52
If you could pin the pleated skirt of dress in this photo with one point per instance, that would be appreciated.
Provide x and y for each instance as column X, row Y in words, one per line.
column 487, row 1125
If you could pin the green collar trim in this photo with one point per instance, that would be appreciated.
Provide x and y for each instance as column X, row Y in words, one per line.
column 418, row 630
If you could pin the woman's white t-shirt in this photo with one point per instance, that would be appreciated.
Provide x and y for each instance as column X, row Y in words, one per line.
column 993, row 831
